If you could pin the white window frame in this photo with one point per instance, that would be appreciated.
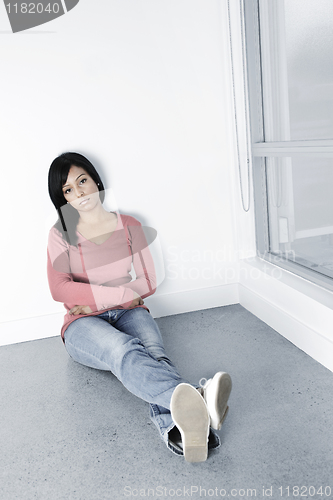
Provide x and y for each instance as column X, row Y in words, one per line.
column 262, row 147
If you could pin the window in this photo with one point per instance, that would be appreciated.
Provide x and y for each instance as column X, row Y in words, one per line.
column 289, row 47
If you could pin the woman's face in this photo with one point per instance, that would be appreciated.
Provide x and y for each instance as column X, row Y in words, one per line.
column 80, row 190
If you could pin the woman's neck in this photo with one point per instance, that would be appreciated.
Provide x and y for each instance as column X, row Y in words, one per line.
column 97, row 215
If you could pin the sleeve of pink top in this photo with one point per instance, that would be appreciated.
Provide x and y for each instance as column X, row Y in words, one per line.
column 64, row 289
column 145, row 282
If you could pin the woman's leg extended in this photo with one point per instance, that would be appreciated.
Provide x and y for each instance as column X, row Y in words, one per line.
column 139, row 323
column 94, row 342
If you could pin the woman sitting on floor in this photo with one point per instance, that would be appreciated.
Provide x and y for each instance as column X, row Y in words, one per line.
column 107, row 326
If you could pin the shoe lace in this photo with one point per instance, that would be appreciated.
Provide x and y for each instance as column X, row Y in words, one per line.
column 202, row 382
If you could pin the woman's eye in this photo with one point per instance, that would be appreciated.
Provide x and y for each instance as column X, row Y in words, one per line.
column 67, row 190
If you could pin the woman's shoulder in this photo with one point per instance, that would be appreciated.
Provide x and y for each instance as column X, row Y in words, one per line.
column 129, row 220
column 56, row 236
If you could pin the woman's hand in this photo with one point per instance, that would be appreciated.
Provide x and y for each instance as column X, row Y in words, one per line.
column 80, row 310
column 137, row 301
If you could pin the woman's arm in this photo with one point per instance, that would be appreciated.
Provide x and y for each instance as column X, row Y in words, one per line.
column 145, row 282
column 64, row 289
column 87, row 310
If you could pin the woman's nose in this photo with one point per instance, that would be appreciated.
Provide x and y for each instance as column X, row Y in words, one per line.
column 79, row 191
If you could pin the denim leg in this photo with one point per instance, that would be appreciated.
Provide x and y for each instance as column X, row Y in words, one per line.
column 140, row 323
column 93, row 341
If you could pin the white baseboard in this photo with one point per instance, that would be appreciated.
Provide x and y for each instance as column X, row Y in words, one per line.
column 192, row 300
column 308, row 340
column 293, row 313
column 24, row 330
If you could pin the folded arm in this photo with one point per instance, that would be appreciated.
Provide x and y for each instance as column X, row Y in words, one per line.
column 98, row 297
column 145, row 282
column 64, row 289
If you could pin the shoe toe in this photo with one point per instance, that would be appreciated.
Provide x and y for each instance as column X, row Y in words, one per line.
column 217, row 395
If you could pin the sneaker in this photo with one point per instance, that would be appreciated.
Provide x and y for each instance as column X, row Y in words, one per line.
column 190, row 414
column 216, row 392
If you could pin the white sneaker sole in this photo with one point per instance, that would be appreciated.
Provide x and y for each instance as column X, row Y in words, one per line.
column 217, row 397
column 189, row 412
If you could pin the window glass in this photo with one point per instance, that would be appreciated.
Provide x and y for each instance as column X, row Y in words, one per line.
column 297, row 48
column 300, row 210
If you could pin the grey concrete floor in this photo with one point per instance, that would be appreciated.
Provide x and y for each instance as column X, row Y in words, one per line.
column 75, row 433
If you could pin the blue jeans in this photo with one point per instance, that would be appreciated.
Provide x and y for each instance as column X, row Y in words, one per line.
column 128, row 343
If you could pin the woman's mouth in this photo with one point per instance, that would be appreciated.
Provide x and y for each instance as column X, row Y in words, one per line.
column 83, row 202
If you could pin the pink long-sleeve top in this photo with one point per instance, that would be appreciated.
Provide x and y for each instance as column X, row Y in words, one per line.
column 98, row 276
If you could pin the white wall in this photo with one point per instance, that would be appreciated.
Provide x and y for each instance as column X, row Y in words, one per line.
column 143, row 88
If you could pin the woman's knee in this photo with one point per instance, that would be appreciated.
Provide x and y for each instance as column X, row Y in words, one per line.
column 141, row 312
